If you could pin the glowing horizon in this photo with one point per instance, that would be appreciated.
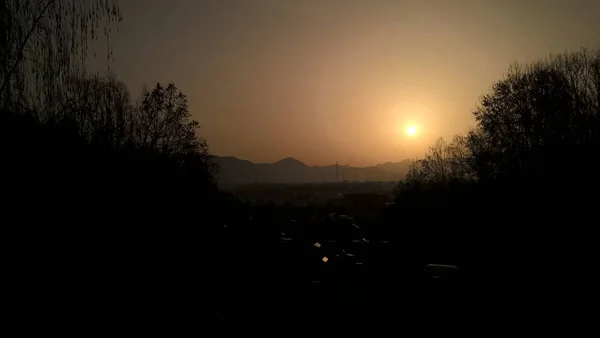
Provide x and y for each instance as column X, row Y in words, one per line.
column 337, row 80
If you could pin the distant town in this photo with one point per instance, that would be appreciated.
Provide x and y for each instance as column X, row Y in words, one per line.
column 350, row 194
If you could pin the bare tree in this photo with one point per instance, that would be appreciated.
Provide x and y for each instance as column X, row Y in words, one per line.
column 43, row 42
column 444, row 162
column 159, row 122
column 162, row 122
column 100, row 106
column 537, row 115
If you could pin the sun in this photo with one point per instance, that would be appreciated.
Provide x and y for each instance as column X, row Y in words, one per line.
column 411, row 130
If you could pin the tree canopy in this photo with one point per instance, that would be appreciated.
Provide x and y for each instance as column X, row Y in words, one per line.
column 43, row 42
column 540, row 121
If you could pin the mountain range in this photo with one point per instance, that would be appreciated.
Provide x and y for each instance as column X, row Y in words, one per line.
column 234, row 171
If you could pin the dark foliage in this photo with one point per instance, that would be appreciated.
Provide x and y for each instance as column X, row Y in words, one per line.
column 90, row 202
column 516, row 200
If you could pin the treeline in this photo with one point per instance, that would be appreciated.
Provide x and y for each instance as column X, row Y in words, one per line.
column 516, row 195
column 105, row 198
column 101, row 152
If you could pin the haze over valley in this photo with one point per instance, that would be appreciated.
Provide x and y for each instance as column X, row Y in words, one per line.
column 290, row 170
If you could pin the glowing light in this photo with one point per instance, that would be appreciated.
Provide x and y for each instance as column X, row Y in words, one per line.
column 411, row 130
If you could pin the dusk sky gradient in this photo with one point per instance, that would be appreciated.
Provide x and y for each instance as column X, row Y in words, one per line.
column 327, row 80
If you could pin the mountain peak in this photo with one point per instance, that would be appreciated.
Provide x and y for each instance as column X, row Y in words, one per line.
column 291, row 161
column 234, row 171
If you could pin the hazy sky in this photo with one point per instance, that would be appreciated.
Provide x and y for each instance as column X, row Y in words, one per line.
column 327, row 80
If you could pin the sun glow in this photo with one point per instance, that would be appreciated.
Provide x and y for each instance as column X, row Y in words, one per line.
column 411, row 130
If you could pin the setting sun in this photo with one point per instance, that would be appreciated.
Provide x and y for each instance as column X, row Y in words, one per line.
column 411, row 130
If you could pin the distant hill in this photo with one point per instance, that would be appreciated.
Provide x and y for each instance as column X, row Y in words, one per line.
column 289, row 170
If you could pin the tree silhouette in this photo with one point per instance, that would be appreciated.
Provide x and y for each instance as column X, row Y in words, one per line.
column 539, row 115
column 159, row 122
column 99, row 189
column 443, row 162
column 42, row 42
column 101, row 108
column 529, row 161
column 162, row 123
column 533, row 124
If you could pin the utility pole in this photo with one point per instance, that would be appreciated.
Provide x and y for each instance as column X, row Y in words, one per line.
column 337, row 170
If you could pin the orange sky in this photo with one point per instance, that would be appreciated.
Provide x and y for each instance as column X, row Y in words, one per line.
column 327, row 80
